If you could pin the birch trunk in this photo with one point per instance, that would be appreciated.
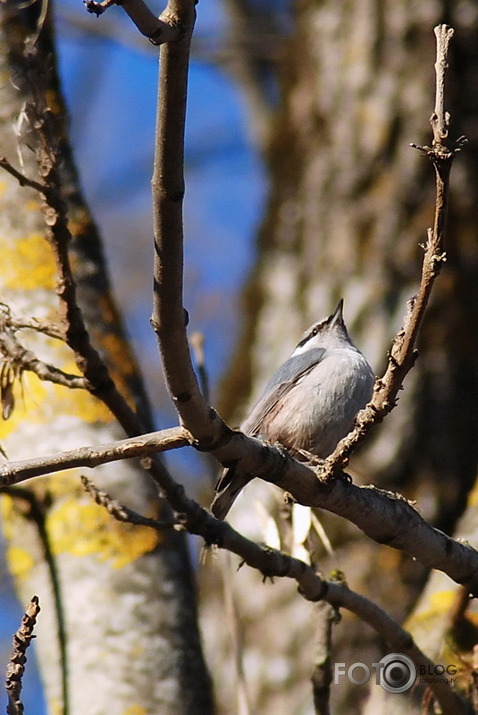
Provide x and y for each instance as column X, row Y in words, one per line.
column 118, row 626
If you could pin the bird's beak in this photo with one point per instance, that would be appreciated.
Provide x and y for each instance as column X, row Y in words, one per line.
column 337, row 316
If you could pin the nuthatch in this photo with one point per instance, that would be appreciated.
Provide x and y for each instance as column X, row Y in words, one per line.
column 310, row 402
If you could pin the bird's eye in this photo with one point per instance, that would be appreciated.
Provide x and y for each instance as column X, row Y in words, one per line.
column 315, row 330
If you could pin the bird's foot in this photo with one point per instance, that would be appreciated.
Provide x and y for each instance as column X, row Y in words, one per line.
column 311, row 459
column 283, row 450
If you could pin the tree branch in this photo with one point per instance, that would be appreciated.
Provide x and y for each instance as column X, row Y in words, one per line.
column 403, row 353
column 23, row 360
column 272, row 563
column 16, row 472
column 169, row 318
column 121, row 512
column 157, row 30
column 21, row 322
column 383, row 516
column 21, row 178
column 17, row 660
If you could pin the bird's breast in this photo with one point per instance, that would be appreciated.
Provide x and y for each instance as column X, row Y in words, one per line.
column 320, row 409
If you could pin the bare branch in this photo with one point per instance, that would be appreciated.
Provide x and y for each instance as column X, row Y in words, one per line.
column 273, row 563
column 23, row 360
column 383, row 516
column 34, row 509
column 17, row 660
column 157, row 30
column 121, row 512
column 403, row 352
column 46, row 327
column 21, row 178
column 16, row 472
column 169, row 316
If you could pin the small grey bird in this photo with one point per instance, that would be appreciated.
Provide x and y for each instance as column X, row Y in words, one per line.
column 310, row 402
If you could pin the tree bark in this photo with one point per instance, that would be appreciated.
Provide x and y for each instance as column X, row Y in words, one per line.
column 350, row 203
column 118, row 626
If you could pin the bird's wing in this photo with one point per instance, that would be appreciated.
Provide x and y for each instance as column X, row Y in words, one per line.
column 284, row 380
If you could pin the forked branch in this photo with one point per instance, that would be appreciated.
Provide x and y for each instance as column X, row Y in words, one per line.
column 157, row 29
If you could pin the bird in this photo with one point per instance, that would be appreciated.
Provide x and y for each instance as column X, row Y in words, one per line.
column 309, row 404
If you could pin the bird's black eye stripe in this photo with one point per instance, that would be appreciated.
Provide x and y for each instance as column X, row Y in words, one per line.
column 310, row 334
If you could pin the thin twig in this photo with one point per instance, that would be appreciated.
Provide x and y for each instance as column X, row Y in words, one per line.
column 19, row 322
column 93, row 456
column 21, row 178
column 46, row 327
column 17, row 660
column 440, row 118
column 121, row 512
column 35, row 510
column 25, row 360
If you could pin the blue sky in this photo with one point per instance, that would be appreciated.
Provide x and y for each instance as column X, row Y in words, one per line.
column 111, row 91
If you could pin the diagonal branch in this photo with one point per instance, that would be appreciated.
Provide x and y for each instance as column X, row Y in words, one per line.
column 403, row 351
column 272, row 563
column 340, row 596
column 120, row 512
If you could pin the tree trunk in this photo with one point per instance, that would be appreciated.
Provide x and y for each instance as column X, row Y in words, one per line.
column 118, row 626
column 349, row 206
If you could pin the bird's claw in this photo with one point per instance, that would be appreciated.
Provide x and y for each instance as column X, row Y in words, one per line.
column 311, row 459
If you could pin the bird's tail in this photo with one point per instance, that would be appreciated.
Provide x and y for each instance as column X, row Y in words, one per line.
column 229, row 484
